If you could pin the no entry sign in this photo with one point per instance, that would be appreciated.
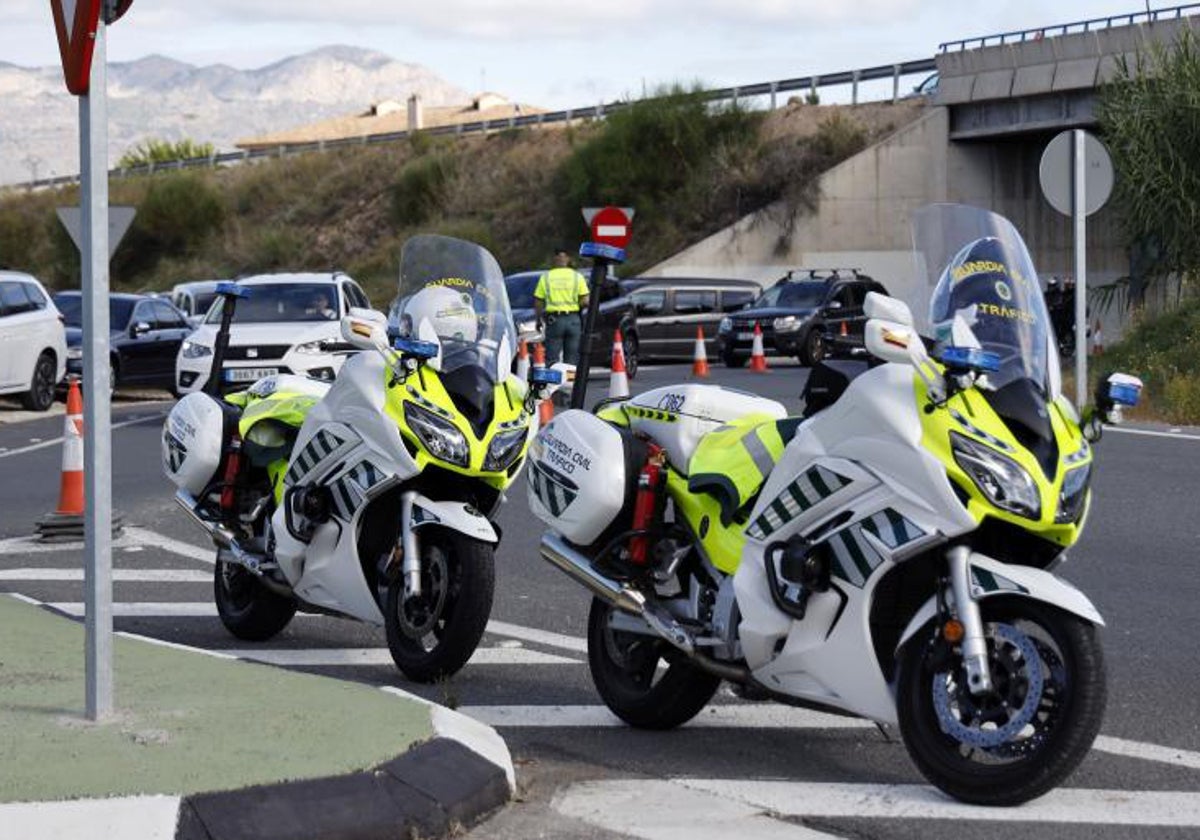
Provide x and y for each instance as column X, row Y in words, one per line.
column 610, row 225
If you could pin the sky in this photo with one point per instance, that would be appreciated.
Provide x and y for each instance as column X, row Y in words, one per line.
column 554, row 53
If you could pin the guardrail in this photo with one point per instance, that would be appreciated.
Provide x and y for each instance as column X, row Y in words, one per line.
column 812, row 83
column 1059, row 29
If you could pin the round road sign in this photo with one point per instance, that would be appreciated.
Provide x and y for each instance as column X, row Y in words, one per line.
column 612, row 226
column 1057, row 167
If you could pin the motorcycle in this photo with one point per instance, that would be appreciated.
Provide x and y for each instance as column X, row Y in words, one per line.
column 889, row 557
column 371, row 497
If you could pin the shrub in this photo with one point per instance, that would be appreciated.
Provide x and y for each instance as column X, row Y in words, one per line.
column 419, row 191
column 177, row 216
column 164, row 151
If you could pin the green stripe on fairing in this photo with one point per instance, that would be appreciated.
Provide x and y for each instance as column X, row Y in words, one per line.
column 856, row 554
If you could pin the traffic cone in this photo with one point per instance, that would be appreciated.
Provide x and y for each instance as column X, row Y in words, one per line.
column 1097, row 340
column 522, row 361
column 66, row 522
column 758, row 359
column 545, row 407
column 618, row 380
column 700, row 356
column 844, row 331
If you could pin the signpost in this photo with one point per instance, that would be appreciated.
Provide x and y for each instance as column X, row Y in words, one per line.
column 611, row 229
column 119, row 220
column 80, row 27
column 1076, row 175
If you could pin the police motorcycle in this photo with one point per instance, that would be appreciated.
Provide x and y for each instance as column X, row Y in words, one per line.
column 889, row 557
column 369, row 498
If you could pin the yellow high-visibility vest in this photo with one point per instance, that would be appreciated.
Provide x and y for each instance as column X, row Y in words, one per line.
column 560, row 289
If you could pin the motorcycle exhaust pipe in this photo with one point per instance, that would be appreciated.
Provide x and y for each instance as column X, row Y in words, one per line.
column 554, row 550
column 221, row 536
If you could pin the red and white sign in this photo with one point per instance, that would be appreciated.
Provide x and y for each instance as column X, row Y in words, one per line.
column 75, row 21
column 610, row 225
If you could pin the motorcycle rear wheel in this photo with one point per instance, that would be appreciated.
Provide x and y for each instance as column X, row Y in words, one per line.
column 248, row 609
column 1069, row 708
column 432, row 636
column 625, row 669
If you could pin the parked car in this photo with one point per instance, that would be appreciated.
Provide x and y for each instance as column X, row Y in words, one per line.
column 799, row 314
column 616, row 312
column 669, row 309
column 288, row 323
column 194, row 298
column 33, row 344
column 144, row 337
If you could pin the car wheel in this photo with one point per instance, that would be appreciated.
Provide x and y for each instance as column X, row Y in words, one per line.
column 814, row 348
column 629, row 344
column 41, row 385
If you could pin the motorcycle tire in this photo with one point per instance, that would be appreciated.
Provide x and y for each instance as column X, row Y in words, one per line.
column 1046, row 749
column 433, row 635
column 248, row 609
column 625, row 670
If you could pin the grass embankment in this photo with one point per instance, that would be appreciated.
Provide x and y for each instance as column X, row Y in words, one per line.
column 687, row 167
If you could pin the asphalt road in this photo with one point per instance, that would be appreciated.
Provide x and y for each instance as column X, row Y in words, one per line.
column 757, row 769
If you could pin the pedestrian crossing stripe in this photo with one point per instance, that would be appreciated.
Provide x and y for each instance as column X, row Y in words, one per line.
column 555, row 492
column 814, row 485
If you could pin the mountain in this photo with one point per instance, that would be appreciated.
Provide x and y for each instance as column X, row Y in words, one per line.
column 161, row 98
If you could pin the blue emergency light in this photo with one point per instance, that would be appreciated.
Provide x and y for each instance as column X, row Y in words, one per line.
column 228, row 287
column 545, row 376
column 970, row 358
column 413, row 347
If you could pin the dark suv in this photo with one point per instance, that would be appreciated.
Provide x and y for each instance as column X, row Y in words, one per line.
column 616, row 312
column 808, row 313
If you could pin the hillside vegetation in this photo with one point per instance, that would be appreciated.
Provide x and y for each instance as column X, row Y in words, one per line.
column 689, row 169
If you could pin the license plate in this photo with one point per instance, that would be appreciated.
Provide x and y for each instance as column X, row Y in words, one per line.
column 747, row 336
column 248, row 374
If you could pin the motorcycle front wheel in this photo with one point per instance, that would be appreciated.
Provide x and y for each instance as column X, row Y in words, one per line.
column 432, row 635
column 1030, row 731
column 626, row 670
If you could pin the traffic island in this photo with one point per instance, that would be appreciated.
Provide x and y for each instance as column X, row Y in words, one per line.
column 208, row 747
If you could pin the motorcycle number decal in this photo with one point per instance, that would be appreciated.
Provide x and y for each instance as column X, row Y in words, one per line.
column 813, row 486
column 554, row 491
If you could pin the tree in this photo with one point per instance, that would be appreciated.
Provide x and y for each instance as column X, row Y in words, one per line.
column 164, row 151
column 1150, row 116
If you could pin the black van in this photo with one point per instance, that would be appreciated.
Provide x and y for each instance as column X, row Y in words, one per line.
column 669, row 309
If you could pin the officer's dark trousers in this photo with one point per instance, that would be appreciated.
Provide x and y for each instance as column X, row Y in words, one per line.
column 563, row 332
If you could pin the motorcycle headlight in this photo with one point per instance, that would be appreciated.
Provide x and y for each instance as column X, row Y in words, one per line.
column 438, row 436
column 726, row 325
column 504, row 449
column 75, row 353
column 310, row 348
column 788, row 323
column 1006, row 483
column 1074, row 494
column 195, row 350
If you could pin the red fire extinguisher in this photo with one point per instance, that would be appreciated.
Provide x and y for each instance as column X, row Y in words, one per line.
column 645, row 504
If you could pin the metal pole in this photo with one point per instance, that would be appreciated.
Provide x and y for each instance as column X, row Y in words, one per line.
column 97, row 423
column 1079, row 223
column 584, row 367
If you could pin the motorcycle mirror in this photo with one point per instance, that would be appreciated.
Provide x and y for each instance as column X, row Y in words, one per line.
column 887, row 309
column 365, row 329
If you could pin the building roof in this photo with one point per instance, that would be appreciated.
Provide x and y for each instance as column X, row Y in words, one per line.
column 391, row 116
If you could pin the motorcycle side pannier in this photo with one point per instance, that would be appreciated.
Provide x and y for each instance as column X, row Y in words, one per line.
column 192, row 442
column 583, row 476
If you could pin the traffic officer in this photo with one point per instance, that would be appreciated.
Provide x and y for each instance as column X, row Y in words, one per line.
column 559, row 300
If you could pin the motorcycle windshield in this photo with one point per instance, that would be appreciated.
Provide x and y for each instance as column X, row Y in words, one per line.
column 452, row 294
column 975, row 266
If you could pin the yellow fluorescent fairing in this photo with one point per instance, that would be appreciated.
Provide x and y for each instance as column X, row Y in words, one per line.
column 424, row 387
column 703, row 514
column 967, row 413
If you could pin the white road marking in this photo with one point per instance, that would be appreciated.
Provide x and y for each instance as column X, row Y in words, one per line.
column 764, row 716
column 135, row 817
column 1063, row 805
column 1148, row 752
column 118, row 575
column 1173, row 434
column 131, row 538
column 45, row 443
column 153, row 539
column 152, row 609
column 575, row 644
column 328, row 657
column 658, row 810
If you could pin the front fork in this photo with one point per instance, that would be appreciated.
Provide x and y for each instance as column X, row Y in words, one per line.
column 411, row 564
column 974, row 645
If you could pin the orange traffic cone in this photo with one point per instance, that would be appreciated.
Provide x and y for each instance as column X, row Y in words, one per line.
column 522, row 361
column 545, row 407
column 758, row 359
column 700, row 356
column 618, row 379
column 844, row 331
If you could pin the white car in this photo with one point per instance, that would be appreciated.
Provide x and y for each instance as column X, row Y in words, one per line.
column 288, row 323
column 33, row 342
column 194, row 298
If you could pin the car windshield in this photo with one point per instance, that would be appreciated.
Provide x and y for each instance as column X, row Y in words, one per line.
column 792, row 296
column 267, row 303
column 71, row 307
column 203, row 300
column 452, row 294
column 520, row 289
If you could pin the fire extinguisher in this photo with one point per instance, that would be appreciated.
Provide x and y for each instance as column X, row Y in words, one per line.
column 646, row 502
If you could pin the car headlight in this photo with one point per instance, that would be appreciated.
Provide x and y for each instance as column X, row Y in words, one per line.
column 726, row 325
column 438, row 436
column 788, row 323
column 75, row 353
column 195, row 350
column 1006, row 483
column 1074, row 494
column 504, row 449
column 310, row 348
column 526, row 327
